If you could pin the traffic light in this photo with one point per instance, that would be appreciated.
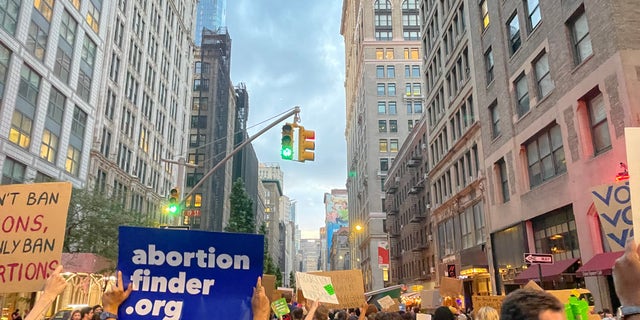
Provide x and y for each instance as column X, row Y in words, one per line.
column 306, row 145
column 174, row 200
column 286, row 152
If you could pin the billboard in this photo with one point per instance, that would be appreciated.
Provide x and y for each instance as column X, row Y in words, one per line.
column 383, row 254
column 337, row 214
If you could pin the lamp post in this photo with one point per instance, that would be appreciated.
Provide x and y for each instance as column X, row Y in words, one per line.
column 354, row 249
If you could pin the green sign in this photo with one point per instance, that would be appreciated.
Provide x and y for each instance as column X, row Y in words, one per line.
column 280, row 307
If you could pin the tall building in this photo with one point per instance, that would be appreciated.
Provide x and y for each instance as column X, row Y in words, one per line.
column 336, row 217
column 383, row 55
column 212, row 131
column 211, row 15
column 143, row 101
column 272, row 179
column 51, row 62
column 310, row 250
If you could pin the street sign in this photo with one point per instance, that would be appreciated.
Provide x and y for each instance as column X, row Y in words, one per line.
column 191, row 212
column 541, row 258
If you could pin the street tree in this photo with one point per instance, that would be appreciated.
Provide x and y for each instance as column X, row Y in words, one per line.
column 292, row 279
column 93, row 220
column 241, row 218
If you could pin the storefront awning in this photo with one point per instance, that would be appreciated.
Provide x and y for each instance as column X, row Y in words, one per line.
column 548, row 270
column 600, row 265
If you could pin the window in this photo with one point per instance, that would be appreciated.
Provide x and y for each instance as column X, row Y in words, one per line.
column 20, row 132
column 380, row 89
column 72, row 164
column 62, row 66
column 55, row 111
column 13, row 171
column 598, row 123
column 196, row 140
column 478, row 219
column 513, row 26
column 543, row 77
column 384, row 164
column 392, row 107
column 88, row 51
column 79, row 122
column 581, row 39
column 379, row 54
column 45, row 7
column 29, row 85
column 76, row 3
column 382, row 107
column 5, row 55
column 504, row 180
column 415, row 71
column 488, row 62
column 9, row 15
column 393, row 145
column 84, row 86
column 198, row 122
column 382, row 125
column 380, row 72
column 93, row 17
column 393, row 125
column 49, row 146
column 522, row 95
column 391, row 72
column 545, row 156
column 389, row 54
column 36, row 41
column 391, row 87
column 68, row 28
column 484, row 11
column 495, row 120
column 417, row 106
column 466, row 228
column 383, row 22
column 410, row 124
column 383, row 145
column 533, row 11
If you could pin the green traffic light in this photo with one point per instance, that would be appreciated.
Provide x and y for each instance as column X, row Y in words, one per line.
column 287, row 153
column 173, row 208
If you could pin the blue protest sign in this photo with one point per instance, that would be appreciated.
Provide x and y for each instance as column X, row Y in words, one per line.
column 187, row 274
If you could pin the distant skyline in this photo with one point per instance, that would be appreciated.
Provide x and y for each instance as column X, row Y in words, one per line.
column 291, row 53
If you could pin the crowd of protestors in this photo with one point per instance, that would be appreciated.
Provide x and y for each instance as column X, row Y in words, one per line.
column 522, row 304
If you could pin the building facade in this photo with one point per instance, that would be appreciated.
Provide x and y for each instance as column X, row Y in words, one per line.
column 272, row 179
column 211, row 15
column 310, row 252
column 339, row 251
column 336, row 217
column 556, row 86
column 384, row 100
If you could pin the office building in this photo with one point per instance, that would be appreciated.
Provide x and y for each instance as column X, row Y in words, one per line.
column 211, row 15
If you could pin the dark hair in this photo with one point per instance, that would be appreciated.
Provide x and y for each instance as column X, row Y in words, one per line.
column 85, row 311
column 443, row 313
column 340, row 315
column 297, row 314
column 96, row 307
column 524, row 304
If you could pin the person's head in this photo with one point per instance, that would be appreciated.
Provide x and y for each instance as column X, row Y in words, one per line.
column 97, row 309
column 443, row 313
column 288, row 296
column 340, row 315
column 487, row 313
column 75, row 315
column 528, row 304
column 371, row 309
column 86, row 313
column 297, row 314
column 322, row 313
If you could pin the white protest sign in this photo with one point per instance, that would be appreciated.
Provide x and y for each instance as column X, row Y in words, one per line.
column 632, row 140
column 316, row 287
column 386, row 302
column 423, row 316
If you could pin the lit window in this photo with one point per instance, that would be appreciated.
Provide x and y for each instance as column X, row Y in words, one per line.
column 49, row 146
column 382, row 145
column 393, row 145
column 72, row 164
column 20, row 132
column 484, row 10
column 581, row 39
column 93, row 17
column 36, row 41
column 45, row 7
column 76, row 3
column 379, row 54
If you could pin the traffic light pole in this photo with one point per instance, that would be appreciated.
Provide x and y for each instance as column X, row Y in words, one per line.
column 295, row 111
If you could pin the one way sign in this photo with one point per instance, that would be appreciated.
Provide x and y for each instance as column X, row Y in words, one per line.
column 542, row 258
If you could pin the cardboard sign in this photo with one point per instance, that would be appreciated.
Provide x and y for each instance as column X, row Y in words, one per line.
column 451, row 287
column 269, row 284
column 423, row 316
column 613, row 202
column 533, row 286
column 184, row 274
column 349, row 288
column 280, row 307
column 487, row 301
column 33, row 219
column 316, row 288
column 386, row 302
column 632, row 141
column 430, row 299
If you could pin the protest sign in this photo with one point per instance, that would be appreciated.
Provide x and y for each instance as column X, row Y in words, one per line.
column 451, row 287
column 33, row 218
column 487, row 301
column 386, row 302
column 632, row 141
column 185, row 274
column 423, row 316
column 613, row 202
column 280, row 307
column 315, row 287
column 349, row 287
column 269, row 284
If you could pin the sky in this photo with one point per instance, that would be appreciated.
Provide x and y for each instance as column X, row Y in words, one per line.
column 291, row 53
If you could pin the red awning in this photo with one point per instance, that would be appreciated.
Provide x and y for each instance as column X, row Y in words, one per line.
column 600, row 265
column 548, row 270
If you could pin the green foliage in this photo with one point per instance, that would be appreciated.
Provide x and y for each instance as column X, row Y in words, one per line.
column 268, row 266
column 278, row 277
column 242, row 216
column 93, row 220
column 292, row 279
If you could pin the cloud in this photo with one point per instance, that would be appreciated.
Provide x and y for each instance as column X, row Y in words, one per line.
column 291, row 53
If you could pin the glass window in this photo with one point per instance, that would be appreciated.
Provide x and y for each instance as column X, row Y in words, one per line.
column 380, row 89
column 392, row 107
column 20, row 132
column 599, row 125
column 391, row 72
column 379, row 54
column 383, row 145
column 382, row 125
column 55, row 111
column 13, row 171
column 484, row 11
column 45, row 7
column 5, row 56
column 72, row 164
column 543, row 76
column 555, row 233
column 545, row 156
column 29, row 85
column 504, row 180
column 76, row 3
column 384, row 164
column 533, row 10
column 581, row 38
column 393, row 145
column 478, row 219
column 391, row 87
column 9, row 11
column 417, row 106
column 513, row 26
column 379, row 72
column 49, row 146
column 382, row 107
column 78, row 125
column 84, row 86
column 36, row 41
column 62, row 66
column 393, row 125
column 415, row 71
column 389, row 54
column 522, row 94
column 488, row 62
column 88, row 51
column 68, row 28
column 93, row 17
column 495, row 120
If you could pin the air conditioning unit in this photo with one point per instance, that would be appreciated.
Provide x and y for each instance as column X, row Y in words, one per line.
column 430, row 237
column 432, row 269
column 424, row 146
column 424, row 176
column 428, row 206
column 397, row 179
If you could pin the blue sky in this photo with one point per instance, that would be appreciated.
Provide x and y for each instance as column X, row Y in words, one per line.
column 291, row 53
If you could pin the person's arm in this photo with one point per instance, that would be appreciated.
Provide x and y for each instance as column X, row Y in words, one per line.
column 363, row 310
column 260, row 302
column 626, row 276
column 312, row 310
column 54, row 285
column 115, row 296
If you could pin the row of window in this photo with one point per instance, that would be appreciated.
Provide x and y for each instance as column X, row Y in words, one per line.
column 388, row 54
column 456, row 177
column 410, row 71
column 462, row 231
column 383, row 25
